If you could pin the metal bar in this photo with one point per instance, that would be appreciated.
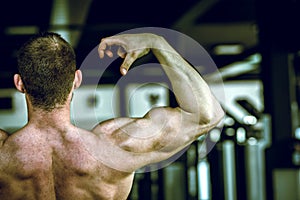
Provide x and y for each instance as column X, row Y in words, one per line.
column 229, row 170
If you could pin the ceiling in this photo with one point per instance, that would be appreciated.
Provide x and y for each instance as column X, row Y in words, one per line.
column 209, row 22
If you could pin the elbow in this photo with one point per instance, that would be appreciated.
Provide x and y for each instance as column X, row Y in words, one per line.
column 220, row 114
column 213, row 116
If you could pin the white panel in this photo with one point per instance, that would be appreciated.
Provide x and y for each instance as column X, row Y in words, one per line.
column 250, row 90
column 15, row 118
column 91, row 105
column 85, row 112
column 286, row 184
column 141, row 98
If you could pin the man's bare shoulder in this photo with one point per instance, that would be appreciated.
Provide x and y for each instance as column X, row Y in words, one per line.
column 25, row 143
column 22, row 137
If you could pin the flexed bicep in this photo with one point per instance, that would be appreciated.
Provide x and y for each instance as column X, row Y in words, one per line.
column 161, row 130
column 128, row 144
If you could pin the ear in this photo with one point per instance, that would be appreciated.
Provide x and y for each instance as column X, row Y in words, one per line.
column 19, row 83
column 77, row 79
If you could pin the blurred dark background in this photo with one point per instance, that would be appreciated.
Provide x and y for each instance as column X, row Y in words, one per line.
column 255, row 45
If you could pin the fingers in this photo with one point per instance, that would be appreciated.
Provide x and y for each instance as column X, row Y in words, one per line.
column 102, row 51
column 107, row 43
column 126, row 50
column 128, row 58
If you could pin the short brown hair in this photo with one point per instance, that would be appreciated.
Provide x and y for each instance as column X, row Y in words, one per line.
column 47, row 66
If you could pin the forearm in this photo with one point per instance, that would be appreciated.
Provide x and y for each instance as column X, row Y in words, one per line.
column 192, row 92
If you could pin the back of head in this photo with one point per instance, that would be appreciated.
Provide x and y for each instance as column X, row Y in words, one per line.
column 47, row 65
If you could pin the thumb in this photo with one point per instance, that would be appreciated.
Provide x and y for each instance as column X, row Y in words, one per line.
column 128, row 61
column 130, row 58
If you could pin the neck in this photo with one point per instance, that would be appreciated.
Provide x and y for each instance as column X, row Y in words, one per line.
column 58, row 117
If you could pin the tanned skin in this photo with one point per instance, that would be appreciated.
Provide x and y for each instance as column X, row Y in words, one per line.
column 50, row 158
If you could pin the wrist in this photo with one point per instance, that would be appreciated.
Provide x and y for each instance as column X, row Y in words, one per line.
column 161, row 46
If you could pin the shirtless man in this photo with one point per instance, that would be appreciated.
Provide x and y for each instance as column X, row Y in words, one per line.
column 50, row 158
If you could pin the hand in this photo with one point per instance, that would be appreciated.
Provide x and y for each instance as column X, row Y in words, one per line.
column 131, row 47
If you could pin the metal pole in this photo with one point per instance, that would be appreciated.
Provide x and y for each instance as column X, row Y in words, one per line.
column 255, row 162
column 229, row 170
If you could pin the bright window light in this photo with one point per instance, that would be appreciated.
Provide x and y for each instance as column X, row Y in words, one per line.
column 21, row 30
column 241, row 135
column 297, row 133
column 228, row 49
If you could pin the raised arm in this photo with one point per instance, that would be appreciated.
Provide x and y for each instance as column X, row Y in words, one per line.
column 192, row 92
column 162, row 131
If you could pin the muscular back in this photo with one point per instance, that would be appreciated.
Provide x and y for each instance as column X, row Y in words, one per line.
column 54, row 164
